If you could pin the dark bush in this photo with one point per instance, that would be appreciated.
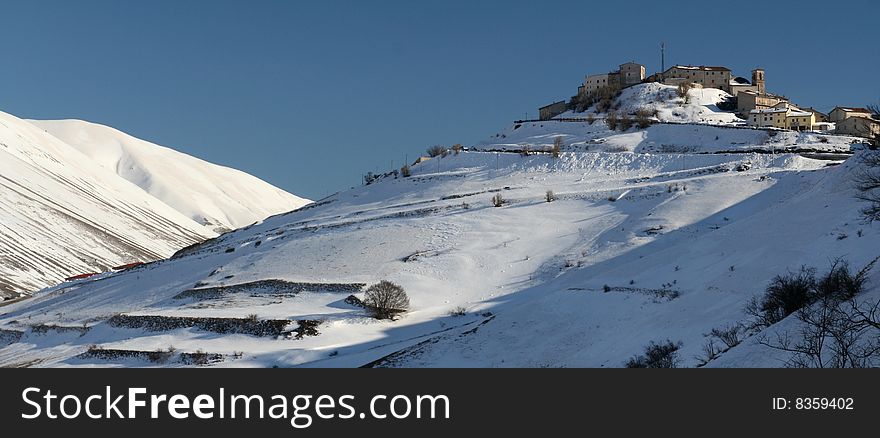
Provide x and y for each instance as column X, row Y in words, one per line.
column 731, row 336
column 784, row 295
column 458, row 311
column 791, row 292
column 384, row 300
column 404, row 171
column 663, row 355
column 437, row 150
column 839, row 283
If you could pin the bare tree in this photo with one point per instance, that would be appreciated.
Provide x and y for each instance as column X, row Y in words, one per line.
column 868, row 184
column 643, row 118
column 625, row 122
column 684, row 89
column 497, row 200
column 557, row 147
column 550, row 196
column 385, row 300
column 437, row 150
column 837, row 330
column 611, row 120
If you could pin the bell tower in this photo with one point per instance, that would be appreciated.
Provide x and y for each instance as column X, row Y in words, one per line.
column 758, row 80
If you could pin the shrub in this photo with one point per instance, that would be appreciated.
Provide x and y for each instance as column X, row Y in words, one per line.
column 840, row 283
column 456, row 148
column 683, row 89
column 791, row 292
column 161, row 356
column 370, row 178
column 557, row 147
column 663, row 355
column 497, row 200
column 836, row 330
column 384, row 300
column 710, row 353
column 550, row 196
column 437, row 150
column 404, row 171
column 625, row 122
column 591, row 118
column 868, row 185
column 611, row 121
column 730, row 336
column 784, row 295
column 458, row 311
column 643, row 118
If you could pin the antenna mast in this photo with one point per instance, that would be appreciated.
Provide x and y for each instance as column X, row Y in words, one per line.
column 662, row 57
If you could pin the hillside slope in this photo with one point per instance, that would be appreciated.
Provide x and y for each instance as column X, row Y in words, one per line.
column 527, row 277
column 218, row 197
column 62, row 214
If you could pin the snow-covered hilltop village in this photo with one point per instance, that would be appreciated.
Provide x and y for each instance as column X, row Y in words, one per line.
column 748, row 100
column 685, row 219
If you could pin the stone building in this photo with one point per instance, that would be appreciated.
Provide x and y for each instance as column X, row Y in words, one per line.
column 595, row 82
column 550, row 111
column 783, row 116
column 841, row 113
column 627, row 75
column 707, row 76
column 631, row 73
column 748, row 101
column 859, row 126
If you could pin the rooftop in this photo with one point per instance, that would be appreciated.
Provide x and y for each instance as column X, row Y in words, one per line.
column 853, row 110
column 700, row 67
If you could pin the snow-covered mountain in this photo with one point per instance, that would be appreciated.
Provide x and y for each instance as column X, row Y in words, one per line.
column 64, row 212
column 644, row 242
column 218, row 197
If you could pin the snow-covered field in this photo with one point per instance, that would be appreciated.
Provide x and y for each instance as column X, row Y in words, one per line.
column 89, row 198
column 530, row 274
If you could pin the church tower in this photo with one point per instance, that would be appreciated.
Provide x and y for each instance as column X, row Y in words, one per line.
column 758, row 80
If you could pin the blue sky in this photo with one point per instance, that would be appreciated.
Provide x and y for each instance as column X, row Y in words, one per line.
column 311, row 95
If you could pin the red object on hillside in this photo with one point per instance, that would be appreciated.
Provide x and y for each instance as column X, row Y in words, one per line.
column 127, row 266
column 81, row 276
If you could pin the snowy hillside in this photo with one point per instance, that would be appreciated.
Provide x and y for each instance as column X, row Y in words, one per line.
column 218, row 197
column 653, row 233
column 89, row 198
column 62, row 214
column 701, row 105
column 695, row 126
column 682, row 241
column 663, row 138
